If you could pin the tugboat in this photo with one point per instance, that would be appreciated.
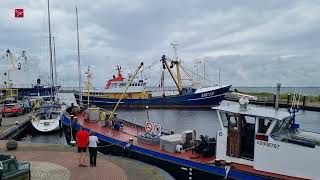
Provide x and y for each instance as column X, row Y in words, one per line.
column 138, row 96
column 253, row 143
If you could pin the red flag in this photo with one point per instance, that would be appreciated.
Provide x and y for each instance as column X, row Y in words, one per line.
column 19, row 13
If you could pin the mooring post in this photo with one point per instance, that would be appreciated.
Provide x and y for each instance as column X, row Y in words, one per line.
column 288, row 100
column 276, row 105
column 304, row 102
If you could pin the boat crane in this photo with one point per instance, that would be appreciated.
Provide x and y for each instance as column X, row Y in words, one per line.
column 13, row 60
column 124, row 91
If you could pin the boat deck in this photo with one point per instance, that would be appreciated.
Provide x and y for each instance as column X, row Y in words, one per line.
column 128, row 132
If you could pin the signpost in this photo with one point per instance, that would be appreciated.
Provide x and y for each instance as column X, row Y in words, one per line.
column 153, row 128
column 149, row 127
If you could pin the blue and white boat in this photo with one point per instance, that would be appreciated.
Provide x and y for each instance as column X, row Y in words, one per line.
column 137, row 95
column 252, row 143
column 22, row 76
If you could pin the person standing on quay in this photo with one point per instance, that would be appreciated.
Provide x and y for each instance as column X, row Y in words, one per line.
column 93, row 140
column 82, row 143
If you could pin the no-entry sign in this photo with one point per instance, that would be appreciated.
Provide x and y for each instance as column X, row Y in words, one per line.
column 19, row 13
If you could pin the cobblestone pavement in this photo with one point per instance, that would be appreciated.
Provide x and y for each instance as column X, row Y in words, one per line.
column 59, row 162
column 49, row 171
column 69, row 161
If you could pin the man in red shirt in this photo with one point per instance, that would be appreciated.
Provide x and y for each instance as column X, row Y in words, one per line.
column 82, row 143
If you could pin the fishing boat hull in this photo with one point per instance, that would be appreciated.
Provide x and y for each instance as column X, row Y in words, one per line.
column 204, row 99
column 36, row 91
column 177, row 167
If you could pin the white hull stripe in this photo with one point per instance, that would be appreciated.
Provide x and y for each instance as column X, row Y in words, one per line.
column 206, row 97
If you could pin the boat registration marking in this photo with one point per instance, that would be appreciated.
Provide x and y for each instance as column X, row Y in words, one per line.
column 267, row 144
column 207, row 94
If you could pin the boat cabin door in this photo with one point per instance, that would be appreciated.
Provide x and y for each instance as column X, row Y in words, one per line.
column 233, row 140
column 241, row 133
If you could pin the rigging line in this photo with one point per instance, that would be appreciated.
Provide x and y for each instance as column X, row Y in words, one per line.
column 152, row 64
column 191, row 79
column 207, row 80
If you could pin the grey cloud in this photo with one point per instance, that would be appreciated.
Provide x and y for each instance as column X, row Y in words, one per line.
column 255, row 43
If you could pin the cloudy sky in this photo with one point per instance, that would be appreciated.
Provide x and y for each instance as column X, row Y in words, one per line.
column 253, row 43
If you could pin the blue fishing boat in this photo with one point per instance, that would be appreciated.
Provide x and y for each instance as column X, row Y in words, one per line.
column 138, row 95
column 21, row 78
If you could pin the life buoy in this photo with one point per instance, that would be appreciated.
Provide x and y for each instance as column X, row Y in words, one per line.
column 102, row 116
column 148, row 127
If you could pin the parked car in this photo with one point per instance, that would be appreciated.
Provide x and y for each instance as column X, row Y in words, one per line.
column 15, row 109
column 10, row 100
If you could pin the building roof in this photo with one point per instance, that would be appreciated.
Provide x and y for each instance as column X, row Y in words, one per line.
column 254, row 111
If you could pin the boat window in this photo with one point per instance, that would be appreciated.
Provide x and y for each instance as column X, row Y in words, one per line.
column 122, row 84
column 248, row 119
column 286, row 123
column 233, row 122
column 264, row 124
column 54, row 115
column 282, row 125
column 224, row 119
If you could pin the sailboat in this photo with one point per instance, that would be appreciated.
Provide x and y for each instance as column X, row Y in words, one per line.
column 47, row 116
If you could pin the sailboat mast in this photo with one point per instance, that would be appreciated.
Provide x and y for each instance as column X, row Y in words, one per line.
column 55, row 62
column 79, row 67
column 50, row 51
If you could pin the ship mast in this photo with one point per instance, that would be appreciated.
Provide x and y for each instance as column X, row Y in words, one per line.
column 50, row 51
column 177, row 63
column 165, row 63
column 79, row 67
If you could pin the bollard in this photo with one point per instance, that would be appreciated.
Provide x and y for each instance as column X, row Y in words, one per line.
column 288, row 100
column 12, row 145
column 277, row 99
column 304, row 102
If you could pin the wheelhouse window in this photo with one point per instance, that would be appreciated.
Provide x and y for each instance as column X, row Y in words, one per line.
column 264, row 125
column 122, row 84
column 233, row 121
column 224, row 118
column 282, row 125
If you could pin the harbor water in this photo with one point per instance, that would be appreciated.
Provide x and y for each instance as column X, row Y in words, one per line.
column 205, row 122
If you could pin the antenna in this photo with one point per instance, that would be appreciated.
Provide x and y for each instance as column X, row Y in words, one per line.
column 174, row 45
column 204, row 71
column 219, row 77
